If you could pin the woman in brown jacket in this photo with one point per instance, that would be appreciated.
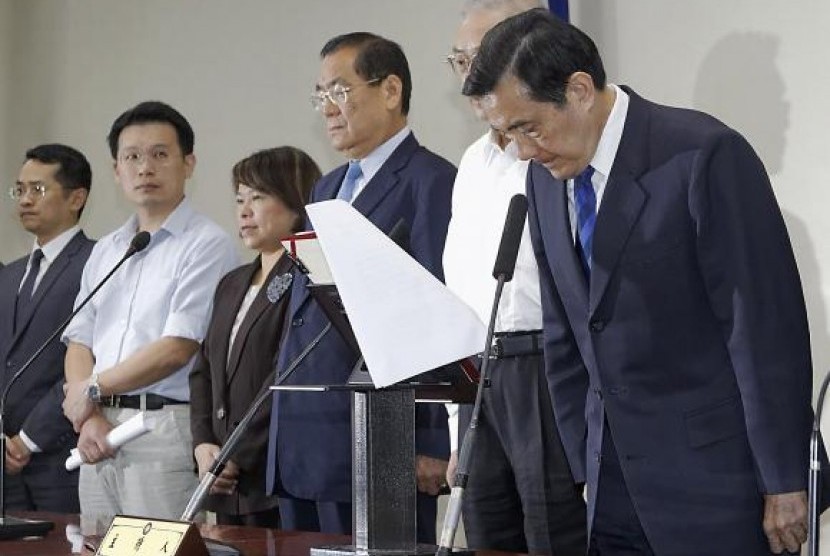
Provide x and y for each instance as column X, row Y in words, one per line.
column 237, row 356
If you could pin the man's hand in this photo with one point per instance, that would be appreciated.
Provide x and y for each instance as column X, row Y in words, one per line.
column 452, row 467
column 92, row 443
column 17, row 455
column 785, row 521
column 76, row 405
column 431, row 474
column 226, row 482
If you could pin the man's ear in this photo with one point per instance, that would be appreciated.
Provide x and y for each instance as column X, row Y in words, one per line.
column 392, row 88
column 189, row 164
column 580, row 89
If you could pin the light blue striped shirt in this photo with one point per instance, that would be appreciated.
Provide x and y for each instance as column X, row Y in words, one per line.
column 165, row 290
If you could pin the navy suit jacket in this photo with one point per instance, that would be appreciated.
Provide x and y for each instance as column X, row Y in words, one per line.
column 34, row 402
column 309, row 452
column 691, row 339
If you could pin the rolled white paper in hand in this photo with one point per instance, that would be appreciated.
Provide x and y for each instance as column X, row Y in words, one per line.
column 127, row 431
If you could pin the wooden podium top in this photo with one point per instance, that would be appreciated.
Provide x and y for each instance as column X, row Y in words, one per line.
column 251, row 541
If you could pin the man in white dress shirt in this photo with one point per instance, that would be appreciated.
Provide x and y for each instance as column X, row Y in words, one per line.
column 520, row 496
column 132, row 347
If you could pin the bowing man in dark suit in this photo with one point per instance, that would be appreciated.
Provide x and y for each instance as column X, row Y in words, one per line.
column 363, row 94
column 36, row 294
column 236, row 360
column 676, row 338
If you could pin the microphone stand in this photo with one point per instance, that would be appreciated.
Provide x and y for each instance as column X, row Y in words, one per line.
column 228, row 449
column 814, row 487
column 12, row 527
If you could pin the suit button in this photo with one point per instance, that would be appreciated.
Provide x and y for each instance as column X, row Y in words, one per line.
column 220, row 413
column 297, row 322
column 597, row 325
column 598, row 392
column 9, row 364
column 598, row 457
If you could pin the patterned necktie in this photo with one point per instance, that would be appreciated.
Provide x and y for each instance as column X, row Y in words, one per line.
column 24, row 296
column 349, row 184
column 586, row 216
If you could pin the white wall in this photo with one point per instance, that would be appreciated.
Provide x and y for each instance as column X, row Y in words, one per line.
column 242, row 71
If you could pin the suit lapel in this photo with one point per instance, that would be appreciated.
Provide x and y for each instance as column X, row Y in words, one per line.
column 52, row 273
column 623, row 199
column 235, row 295
column 258, row 307
column 386, row 178
column 8, row 294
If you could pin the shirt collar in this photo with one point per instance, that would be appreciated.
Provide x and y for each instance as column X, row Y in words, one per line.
column 54, row 247
column 609, row 141
column 175, row 224
column 375, row 159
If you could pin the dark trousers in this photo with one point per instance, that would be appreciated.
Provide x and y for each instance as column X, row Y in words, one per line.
column 269, row 519
column 520, row 496
column 43, row 485
column 336, row 517
column 616, row 528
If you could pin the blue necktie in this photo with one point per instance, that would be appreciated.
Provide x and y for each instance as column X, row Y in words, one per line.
column 24, row 296
column 586, row 216
column 349, row 184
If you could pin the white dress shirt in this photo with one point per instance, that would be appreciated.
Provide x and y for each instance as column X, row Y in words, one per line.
column 605, row 154
column 488, row 177
column 165, row 290
column 50, row 252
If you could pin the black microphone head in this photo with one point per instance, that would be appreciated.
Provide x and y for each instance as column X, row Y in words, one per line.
column 400, row 234
column 514, row 224
column 140, row 242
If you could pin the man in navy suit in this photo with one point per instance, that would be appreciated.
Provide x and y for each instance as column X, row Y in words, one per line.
column 363, row 94
column 36, row 294
column 676, row 338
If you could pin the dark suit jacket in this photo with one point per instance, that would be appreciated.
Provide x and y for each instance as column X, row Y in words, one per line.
column 309, row 453
column 34, row 402
column 222, row 390
column 692, row 338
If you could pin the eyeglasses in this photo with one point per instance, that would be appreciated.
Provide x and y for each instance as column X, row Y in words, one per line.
column 134, row 158
column 37, row 191
column 337, row 95
column 461, row 60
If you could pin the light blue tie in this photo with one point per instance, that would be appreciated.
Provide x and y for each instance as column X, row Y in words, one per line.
column 586, row 216
column 353, row 174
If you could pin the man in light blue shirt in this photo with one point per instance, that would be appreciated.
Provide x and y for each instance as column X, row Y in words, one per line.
column 132, row 347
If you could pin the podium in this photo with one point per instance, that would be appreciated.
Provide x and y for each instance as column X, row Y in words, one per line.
column 383, row 444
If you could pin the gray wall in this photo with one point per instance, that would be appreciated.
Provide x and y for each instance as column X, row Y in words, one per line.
column 242, row 72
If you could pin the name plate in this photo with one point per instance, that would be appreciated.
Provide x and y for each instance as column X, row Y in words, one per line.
column 137, row 536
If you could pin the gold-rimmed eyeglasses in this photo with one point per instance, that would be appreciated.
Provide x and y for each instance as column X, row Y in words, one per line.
column 133, row 158
column 337, row 95
column 36, row 191
column 461, row 60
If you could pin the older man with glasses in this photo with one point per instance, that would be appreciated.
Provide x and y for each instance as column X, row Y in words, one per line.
column 520, row 496
column 363, row 94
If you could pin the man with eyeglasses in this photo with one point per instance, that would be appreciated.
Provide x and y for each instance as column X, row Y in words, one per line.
column 131, row 348
column 36, row 295
column 363, row 94
column 520, row 495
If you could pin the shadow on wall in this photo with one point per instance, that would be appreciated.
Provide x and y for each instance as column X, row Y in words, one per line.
column 599, row 20
column 739, row 83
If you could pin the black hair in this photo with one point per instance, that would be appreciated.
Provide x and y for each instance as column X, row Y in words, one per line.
column 149, row 112
column 74, row 171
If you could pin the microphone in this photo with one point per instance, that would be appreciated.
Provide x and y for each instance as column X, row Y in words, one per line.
column 503, row 272
column 814, row 485
column 14, row 528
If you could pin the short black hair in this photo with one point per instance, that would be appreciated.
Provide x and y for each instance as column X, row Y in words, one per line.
column 287, row 173
column 74, row 171
column 540, row 50
column 377, row 58
column 152, row 112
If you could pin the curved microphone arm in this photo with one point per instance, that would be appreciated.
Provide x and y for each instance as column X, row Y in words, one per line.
column 814, row 487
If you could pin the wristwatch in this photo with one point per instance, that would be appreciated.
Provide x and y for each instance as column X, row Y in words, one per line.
column 93, row 390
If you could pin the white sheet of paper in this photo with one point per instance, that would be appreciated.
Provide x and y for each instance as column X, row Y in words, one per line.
column 405, row 320
column 137, row 425
column 307, row 250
